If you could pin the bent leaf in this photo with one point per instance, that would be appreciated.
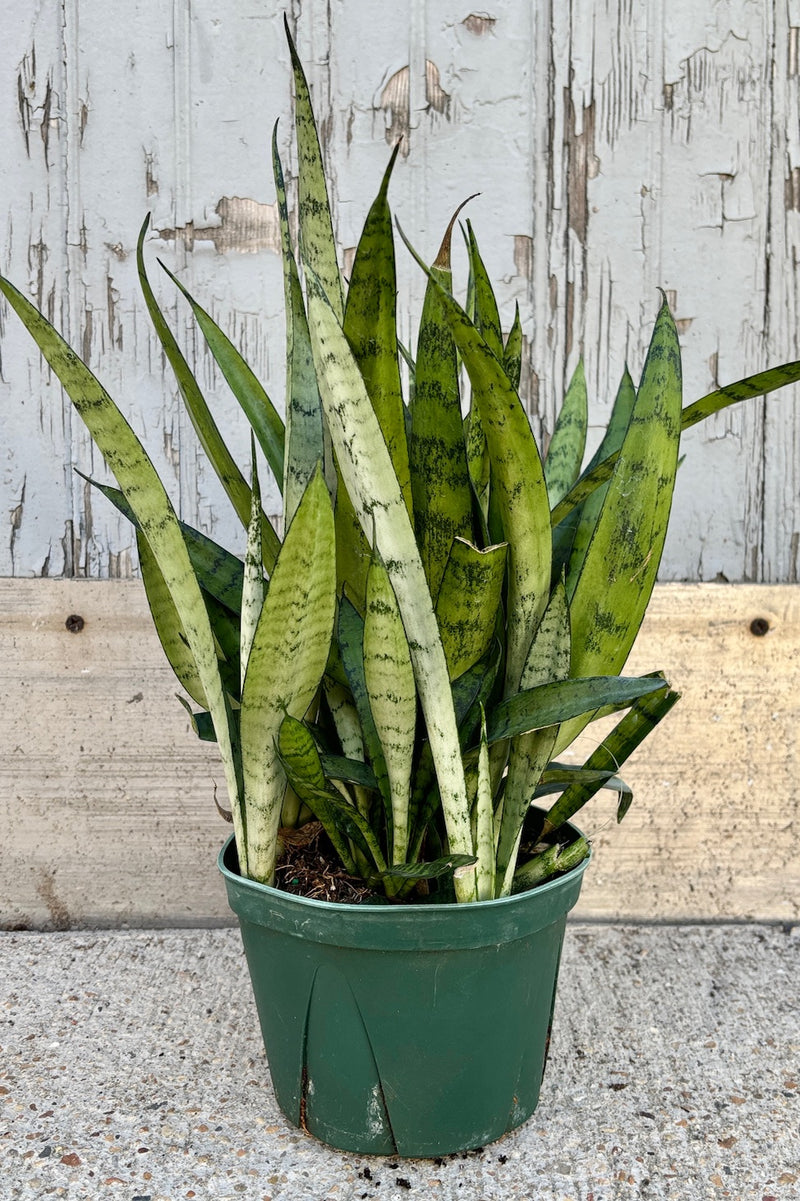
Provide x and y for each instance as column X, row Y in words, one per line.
column 468, row 602
column 262, row 415
column 760, row 384
column 445, row 866
column 550, row 704
column 645, row 714
column 130, row 464
column 554, row 860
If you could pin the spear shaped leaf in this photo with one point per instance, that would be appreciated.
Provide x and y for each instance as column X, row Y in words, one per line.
column 586, row 515
column 562, row 466
column 317, row 243
column 370, row 480
column 518, row 481
column 512, row 352
column 253, row 584
column 389, row 677
column 370, row 326
column 548, row 661
column 305, row 435
column 287, row 658
column 618, row 573
column 484, row 821
column 440, row 478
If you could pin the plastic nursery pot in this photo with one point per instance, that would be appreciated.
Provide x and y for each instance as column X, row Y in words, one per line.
column 413, row 1030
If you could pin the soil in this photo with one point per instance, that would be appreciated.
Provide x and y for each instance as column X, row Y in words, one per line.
column 309, row 868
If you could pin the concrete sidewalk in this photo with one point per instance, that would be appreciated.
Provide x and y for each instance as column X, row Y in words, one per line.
column 131, row 1067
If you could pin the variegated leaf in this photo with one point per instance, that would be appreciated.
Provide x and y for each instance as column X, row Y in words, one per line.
column 518, row 484
column 586, row 514
column 389, row 677
column 440, row 481
column 287, row 658
column 370, row 480
column 618, row 573
column 370, row 326
column 253, row 584
column 305, row 433
column 484, row 822
column 317, row 242
column 468, row 602
column 548, row 661
column 562, row 465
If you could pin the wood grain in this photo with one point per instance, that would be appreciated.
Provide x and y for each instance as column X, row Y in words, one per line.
column 616, row 149
column 107, row 798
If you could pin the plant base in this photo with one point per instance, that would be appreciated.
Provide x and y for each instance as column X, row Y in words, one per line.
column 404, row 1030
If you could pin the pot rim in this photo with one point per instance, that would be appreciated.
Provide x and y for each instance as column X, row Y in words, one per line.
column 314, row 903
column 433, row 927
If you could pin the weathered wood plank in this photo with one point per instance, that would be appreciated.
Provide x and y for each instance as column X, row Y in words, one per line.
column 107, row 798
column 616, row 150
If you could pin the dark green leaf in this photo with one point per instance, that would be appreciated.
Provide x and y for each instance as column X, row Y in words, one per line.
column 616, row 747
column 550, row 704
column 428, row 871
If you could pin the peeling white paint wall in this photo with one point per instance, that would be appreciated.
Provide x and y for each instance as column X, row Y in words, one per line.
column 618, row 147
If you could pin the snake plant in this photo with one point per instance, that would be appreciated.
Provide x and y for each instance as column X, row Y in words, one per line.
column 447, row 608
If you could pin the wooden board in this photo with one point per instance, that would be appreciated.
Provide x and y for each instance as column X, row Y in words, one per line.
column 107, row 799
column 617, row 150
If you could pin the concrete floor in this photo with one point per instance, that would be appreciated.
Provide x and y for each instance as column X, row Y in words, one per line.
column 131, row 1067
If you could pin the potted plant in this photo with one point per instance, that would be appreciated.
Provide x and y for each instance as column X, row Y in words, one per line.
column 393, row 680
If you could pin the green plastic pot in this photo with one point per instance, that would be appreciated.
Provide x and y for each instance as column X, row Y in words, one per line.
column 412, row 1030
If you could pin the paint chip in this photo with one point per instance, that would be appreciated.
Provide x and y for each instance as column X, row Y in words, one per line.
column 479, row 23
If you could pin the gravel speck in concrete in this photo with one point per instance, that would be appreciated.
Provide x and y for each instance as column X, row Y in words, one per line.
column 131, row 1067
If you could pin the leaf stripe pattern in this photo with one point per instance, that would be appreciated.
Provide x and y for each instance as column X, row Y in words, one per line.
column 287, row 658
column 389, row 677
column 373, row 486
